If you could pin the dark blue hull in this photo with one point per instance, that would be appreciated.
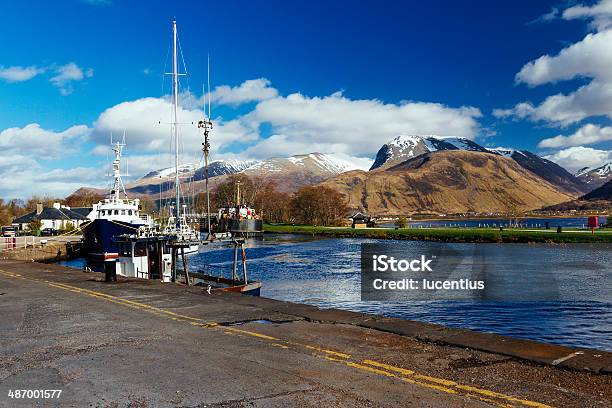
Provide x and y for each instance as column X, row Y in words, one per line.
column 99, row 236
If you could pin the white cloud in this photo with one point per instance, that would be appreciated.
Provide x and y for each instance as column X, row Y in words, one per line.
column 146, row 125
column 21, row 171
column 19, row 73
column 544, row 18
column 578, row 157
column 34, row 140
column 79, row 175
column 252, row 90
column 336, row 124
column 600, row 14
column 587, row 134
column 66, row 74
column 352, row 130
column 589, row 58
column 593, row 99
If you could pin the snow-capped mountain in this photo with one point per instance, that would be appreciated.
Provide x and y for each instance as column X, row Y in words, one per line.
column 215, row 168
column 291, row 173
column 169, row 171
column 221, row 167
column 317, row 162
column 405, row 147
column 595, row 177
column 505, row 151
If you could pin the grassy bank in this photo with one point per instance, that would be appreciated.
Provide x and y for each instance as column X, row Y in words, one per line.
column 448, row 234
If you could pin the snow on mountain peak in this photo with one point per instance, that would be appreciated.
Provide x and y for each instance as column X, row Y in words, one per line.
column 505, row 151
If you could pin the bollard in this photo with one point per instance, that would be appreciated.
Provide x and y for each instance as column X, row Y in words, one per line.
column 559, row 229
column 110, row 270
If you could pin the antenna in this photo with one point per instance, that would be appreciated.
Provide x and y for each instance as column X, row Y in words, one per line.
column 209, row 117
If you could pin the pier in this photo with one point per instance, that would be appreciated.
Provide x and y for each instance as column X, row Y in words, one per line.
column 146, row 343
column 40, row 249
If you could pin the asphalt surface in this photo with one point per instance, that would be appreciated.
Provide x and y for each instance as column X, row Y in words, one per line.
column 148, row 344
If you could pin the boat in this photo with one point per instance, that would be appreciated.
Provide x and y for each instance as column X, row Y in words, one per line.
column 223, row 284
column 239, row 220
column 150, row 253
column 177, row 224
column 113, row 216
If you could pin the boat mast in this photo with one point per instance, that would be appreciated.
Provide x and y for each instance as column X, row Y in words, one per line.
column 175, row 126
column 207, row 126
column 117, row 182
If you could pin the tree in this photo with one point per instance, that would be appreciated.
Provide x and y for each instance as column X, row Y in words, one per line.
column 67, row 226
column 401, row 222
column 35, row 225
column 318, row 206
column 46, row 202
column 225, row 193
column 272, row 204
column 512, row 211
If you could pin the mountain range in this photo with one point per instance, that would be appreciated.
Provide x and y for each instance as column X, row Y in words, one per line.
column 595, row 177
column 410, row 173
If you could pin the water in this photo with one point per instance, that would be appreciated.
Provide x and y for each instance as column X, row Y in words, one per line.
column 326, row 273
column 575, row 222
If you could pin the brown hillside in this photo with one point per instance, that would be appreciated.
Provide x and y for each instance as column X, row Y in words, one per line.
column 447, row 182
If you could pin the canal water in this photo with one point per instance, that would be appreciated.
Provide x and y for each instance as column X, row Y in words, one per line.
column 326, row 273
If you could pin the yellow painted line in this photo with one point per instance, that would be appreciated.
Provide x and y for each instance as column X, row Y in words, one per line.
column 250, row 333
column 389, row 367
column 280, row 345
column 371, row 366
column 326, row 351
column 502, row 396
column 141, row 305
column 450, row 383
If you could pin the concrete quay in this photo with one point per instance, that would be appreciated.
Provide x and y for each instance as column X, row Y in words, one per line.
column 143, row 343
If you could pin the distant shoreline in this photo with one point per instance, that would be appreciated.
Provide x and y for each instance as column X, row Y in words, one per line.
column 465, row 235
column 484, row 217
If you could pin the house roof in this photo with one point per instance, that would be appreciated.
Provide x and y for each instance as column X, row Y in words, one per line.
column 50, row 213
column 84, row 211
column 359, row 215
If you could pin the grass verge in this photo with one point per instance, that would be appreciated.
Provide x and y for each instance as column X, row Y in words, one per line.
column 448, row 234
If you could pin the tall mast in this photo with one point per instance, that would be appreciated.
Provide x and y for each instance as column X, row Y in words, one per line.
column 206, row 125
column 117, row 182
column 175, row 126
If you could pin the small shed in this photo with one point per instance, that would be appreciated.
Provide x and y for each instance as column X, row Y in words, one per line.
column 360, row 220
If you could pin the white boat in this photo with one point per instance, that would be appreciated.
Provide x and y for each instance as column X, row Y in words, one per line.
column 177, row 225
column 113, row 216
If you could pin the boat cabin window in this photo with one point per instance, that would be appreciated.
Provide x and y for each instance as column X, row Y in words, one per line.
column 122, row 212
column 116, row 212
column 125, row 248
column 140, row 249
column 129, row 212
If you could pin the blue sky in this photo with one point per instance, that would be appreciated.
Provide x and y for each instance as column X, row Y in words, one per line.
column 340, row 77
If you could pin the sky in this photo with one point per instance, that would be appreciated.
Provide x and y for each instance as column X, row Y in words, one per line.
column 337, row 77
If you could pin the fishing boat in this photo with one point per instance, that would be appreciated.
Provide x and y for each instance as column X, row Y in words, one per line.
column 113, row 216
column 147, row 253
